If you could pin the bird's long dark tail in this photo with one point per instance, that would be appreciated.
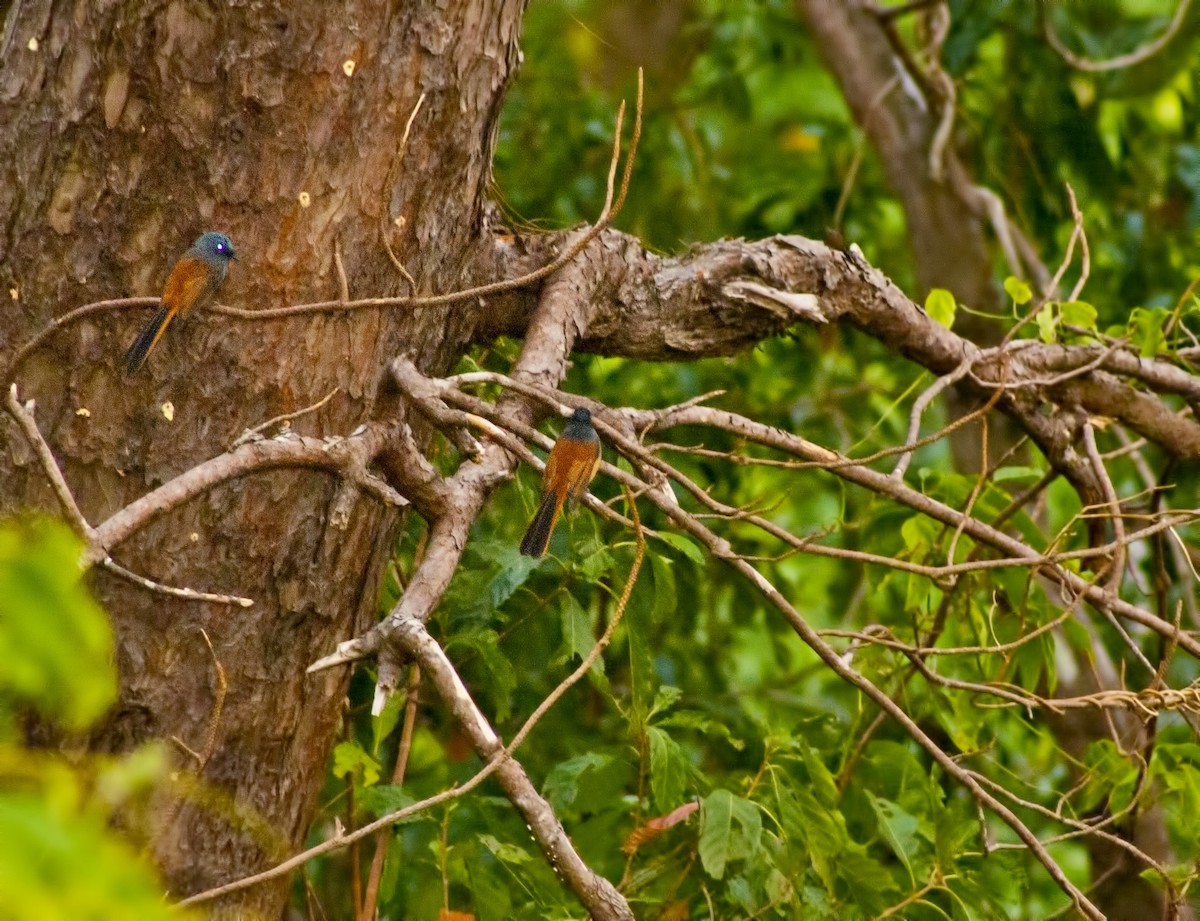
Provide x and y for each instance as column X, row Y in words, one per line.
column 147, row 339
column 538, row 536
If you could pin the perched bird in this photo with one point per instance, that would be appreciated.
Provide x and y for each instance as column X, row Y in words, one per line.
column 572, row 463
column 193, row 282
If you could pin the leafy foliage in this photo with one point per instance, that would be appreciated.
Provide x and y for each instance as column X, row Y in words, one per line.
column 60, row 855
column 807, row 807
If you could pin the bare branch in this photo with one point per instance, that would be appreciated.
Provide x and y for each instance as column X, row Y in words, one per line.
column 344, row 839
column 348, row 457
column 187, row 594
column 23, row 415
column 255, row 432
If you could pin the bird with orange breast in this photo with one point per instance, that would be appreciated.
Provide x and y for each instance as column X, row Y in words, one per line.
column 572, row 464
column 193, row 283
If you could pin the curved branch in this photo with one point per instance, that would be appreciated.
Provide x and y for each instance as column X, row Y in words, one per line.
column 1121, row 61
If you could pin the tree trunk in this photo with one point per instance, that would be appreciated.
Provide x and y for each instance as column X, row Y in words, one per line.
column 125, row 131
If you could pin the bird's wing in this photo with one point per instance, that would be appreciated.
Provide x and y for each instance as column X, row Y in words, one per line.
column 585, row 471
column 551, row 470
column 189, row 284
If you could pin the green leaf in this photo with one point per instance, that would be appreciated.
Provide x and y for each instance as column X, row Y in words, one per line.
column 730, row 829
column 60, row 864
column 779, row 888
column 562, row 783
column 383, row 798
column 663, row 573
column 684, row 545
column 350, row 759
column 55, row 641
column 1016, row 473
column 899, row 829
column 941, row 306
column 664, row 700
column 383, row 724
column 741, row 893
column 670, row 769
column 509, row 853
column 716, row 832
column 1146, row 325
column 577, row 636
column 1078, row 313
column 820, row 778
column 485, row 642
column 1047, row 324
column 867, row 879
column 1018, row 290
column 594, row 563
column 694, row 719
column 514, row 569
column 919, row 534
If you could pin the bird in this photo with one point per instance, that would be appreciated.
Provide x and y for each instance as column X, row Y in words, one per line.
column 572, row 464
column 193, row 283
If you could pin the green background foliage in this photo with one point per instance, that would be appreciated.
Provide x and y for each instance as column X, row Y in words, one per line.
column 705, row 695
column 806, row 808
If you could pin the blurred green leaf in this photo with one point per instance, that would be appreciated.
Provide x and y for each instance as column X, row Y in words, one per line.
column 563, row 782
column 62, row 865
column 1146, row 326
column 387, row 720
column 1047, row 323
column 1078, row 313
column 350, row 760
column 1019, row 291
column 730, row 829
column 684, row 545
column 670, row 769
column 899, row 829
column 55, row 641
column 941, row 306
column 577, row 636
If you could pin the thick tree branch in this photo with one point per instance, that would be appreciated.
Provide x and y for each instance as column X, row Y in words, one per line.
column 697, row 305
column 349, row 457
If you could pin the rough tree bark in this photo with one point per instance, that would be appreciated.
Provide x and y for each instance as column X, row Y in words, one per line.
column 126, row 130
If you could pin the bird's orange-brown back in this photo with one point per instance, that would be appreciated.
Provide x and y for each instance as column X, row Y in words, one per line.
column 186, row 285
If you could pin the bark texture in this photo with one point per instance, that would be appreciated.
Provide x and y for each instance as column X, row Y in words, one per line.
column 125, row 131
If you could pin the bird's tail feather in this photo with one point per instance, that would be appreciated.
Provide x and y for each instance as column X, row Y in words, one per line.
column 147, row 339
column 538, row 536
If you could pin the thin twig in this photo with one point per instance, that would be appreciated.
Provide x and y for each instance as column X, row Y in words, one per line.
column 343, row 839
column 65, row 320
column 918, row 410
column 343, row 282
column 387, row 191
column 251, row 434
column 23, row 415
column 187, row 594
column 612, row 207
column 382, row 837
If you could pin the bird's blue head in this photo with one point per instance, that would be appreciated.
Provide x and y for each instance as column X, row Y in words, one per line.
column 214, row 248
column 579, row 427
